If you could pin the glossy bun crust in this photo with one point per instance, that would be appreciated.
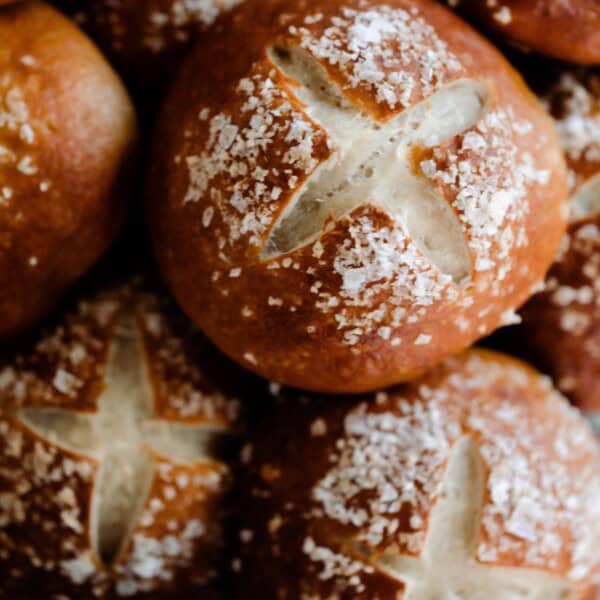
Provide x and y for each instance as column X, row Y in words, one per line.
column 474, row 481
column 67, row 134
column 348, row 299
column 108, row 487
column 562, row 324
column 146, row 39
column 566, row 29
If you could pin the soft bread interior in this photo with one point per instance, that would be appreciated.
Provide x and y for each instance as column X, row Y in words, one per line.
column 447, row 567
column 122, row 436
column 69, row 430
column 372, row 164
column 595, row 421
column 126, row 468
column 585, row 202
column 181, row 443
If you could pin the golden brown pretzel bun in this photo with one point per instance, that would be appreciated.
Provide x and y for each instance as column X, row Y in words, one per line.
column 353, row 230
column 109, row 481
column 475, row 481
column 562, row 323
column 146, row 39
column 67, row 131
column 565, row 29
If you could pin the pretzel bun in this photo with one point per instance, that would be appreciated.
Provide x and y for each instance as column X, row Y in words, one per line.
column 146, row 39
column 475, row 481
column 566, row 29
column 67, row 132
column 563, row 322
column 275, row 195
column 110, row 486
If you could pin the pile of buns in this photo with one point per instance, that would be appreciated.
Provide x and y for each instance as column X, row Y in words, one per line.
column 246, row 250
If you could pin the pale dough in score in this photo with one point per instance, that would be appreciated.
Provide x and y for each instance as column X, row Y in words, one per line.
column 447, row 568
column 122, row 436
column 371, row 165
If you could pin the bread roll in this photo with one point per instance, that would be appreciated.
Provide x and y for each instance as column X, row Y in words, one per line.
column 562, row 324
column 565, row 29
column 476, row 481
column 147, row 39
column 352, row 191
column 67, row 135
column 110, row 484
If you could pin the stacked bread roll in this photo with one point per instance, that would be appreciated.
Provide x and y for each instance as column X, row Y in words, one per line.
column 473, row 481
column 563, row 322
column 566, row 29
column 147, row 39
column 332, row 229
column 343, row 197
column 67, row 136
column 110, row 472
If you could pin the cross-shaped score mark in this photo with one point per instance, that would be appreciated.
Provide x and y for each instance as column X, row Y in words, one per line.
column 372, row 163
column 447, row 568
column 124, row 438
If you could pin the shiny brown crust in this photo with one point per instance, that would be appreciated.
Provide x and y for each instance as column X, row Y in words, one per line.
column 46, row 539
column 562, row 324
column 565, row 29
column 331, row 485
column 67, row 135
column 146, row 39
column 293, row 319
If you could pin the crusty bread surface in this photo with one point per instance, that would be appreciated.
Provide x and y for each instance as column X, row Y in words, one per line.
column 352, row 191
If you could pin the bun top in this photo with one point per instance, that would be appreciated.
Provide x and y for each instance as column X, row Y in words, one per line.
column 109, row 471
column 566, row 29
column 342, row 174
column 67, row 135
column 52, row 103
column 476, row 480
